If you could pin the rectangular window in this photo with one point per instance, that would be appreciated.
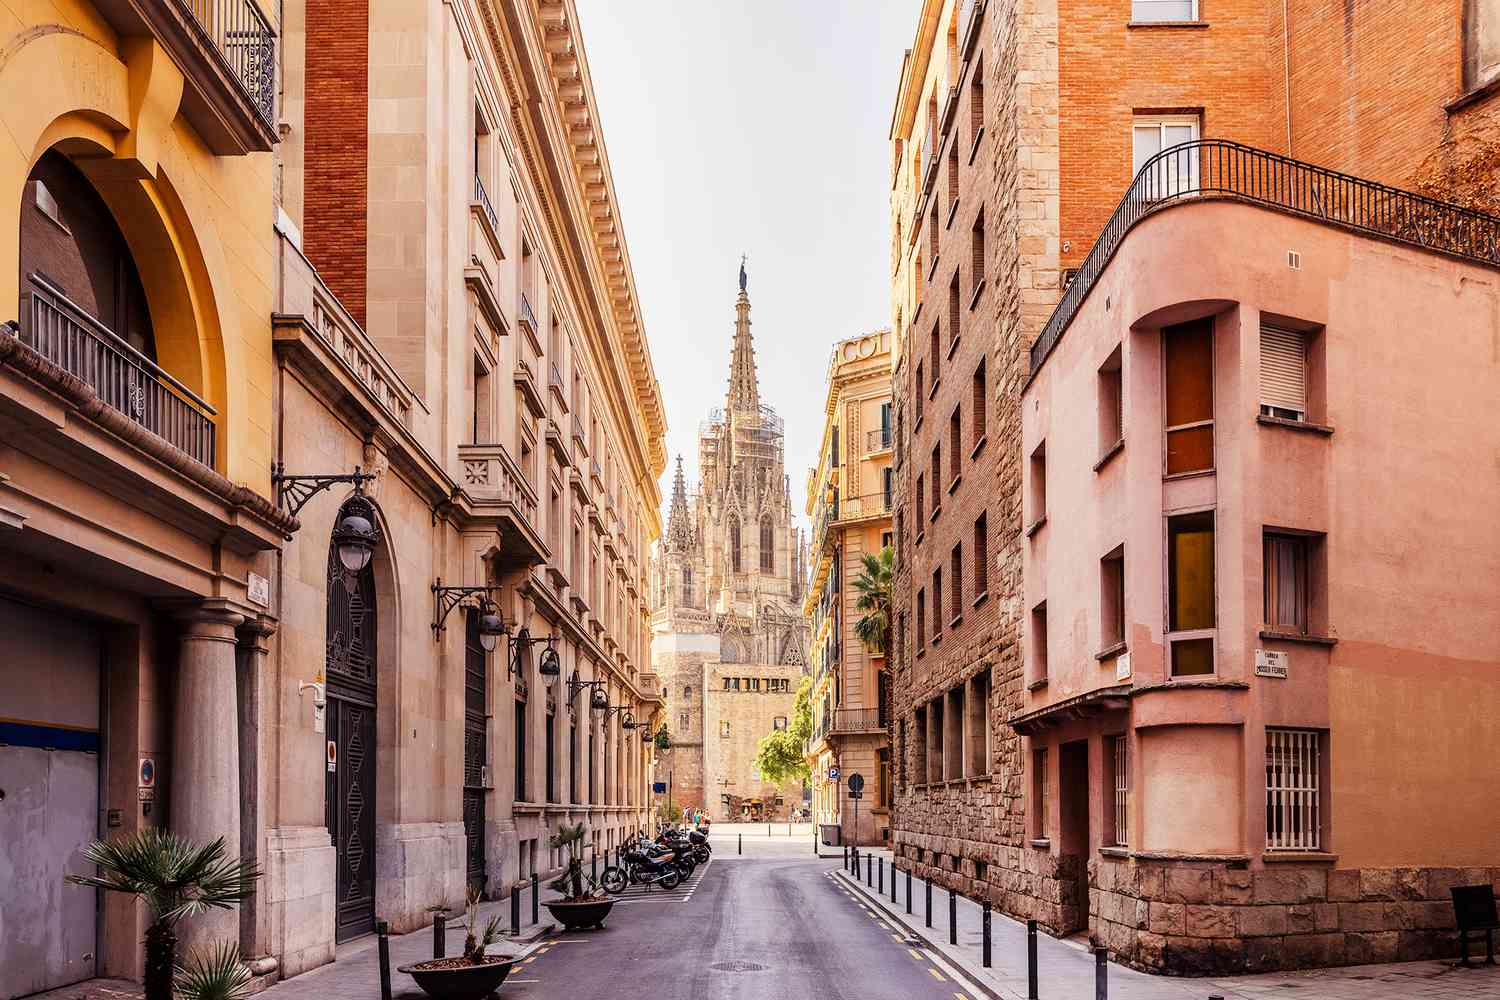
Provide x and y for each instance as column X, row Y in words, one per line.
column 956, row 570
column 1189, row 370
column 1283, row 373
column 550, row 735
column 919, row 746
column 1038, row 483
column 1039, row 792
column 977, row 705
column 1117, row 764
column 954, row 311
column 1112, row 598
column 953, row 738
column 482, row 405
column 936, row 360
column 952, row 176
column 955, row 441
column 1173, row 174
column 1190, row 597
column 521, row 752
column 976, row 252
column 921, row 505
column 1164, row 10
column 937, row 478
column 1111, row 403
column 935, row 738
column 1286, row 589
column 833, row 446
column 887, row 487
column 937, row 605
column 1293, row 810
column 921, row 391
column 979, row 405
column 921, row 619
column 981, row 555
column 1039, row 643
column 976, row 101
column 724, row 729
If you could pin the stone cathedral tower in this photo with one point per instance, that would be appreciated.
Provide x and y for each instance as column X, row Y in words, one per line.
column 729, row 640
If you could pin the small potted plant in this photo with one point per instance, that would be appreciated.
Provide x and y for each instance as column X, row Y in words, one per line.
column 473, row 974
column 584, row 902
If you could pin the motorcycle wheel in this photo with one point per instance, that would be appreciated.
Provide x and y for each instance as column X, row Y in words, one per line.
column 670, row 878
column 613, row 880
column 702, row 854
column 685, row 867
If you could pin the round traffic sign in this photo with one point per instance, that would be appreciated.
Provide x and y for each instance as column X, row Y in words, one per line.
column 856, row 782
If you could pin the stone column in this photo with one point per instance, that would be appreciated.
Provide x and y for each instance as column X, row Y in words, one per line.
column 255, row 788
column 205, row 785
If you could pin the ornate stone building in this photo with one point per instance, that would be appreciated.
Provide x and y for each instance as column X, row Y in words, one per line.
column 728, row 638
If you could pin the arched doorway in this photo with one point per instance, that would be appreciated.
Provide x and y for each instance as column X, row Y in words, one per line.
column 349, row 798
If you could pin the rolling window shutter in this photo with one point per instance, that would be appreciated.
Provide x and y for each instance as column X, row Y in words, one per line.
column 1283, row 369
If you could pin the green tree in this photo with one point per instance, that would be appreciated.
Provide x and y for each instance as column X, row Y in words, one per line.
column 176, row 878
column 874, row 585
column 779, row 753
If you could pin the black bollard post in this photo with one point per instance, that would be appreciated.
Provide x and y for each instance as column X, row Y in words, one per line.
column 536, row 898
column 929, row 901
column 869, row 869
column 952, row 916
column 515, row 909
column 881, row 887
column 986, row 934
column 893, row 881
column 594, row 865
column 846, row 857
column 1031, row 960
column 1101, row 974
column 741, row 848
column 908, row 892
column 439, row 936
column 382, row 931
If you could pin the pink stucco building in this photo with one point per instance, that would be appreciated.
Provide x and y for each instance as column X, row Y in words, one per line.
column 1262, row 570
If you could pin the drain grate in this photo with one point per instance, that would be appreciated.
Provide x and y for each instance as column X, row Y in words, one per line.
column 737, row 967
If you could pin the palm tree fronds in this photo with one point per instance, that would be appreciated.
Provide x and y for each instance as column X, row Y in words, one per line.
column 214, row 973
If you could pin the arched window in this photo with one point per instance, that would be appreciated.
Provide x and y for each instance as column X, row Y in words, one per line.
column 767, row 546
column 687, row 693
column 734, row 544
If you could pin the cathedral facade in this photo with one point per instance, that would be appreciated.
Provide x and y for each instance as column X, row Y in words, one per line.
column 728, row 639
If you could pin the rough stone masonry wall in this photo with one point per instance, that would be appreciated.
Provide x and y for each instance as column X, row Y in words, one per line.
column 1214, row 919
column 680, row 673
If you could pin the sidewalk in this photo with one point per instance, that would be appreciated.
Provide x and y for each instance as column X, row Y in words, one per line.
column 1066, row 968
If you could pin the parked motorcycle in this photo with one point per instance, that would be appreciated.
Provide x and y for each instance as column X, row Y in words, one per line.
column 642, row 867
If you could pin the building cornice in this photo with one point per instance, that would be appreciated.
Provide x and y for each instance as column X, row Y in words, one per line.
column 914, row 70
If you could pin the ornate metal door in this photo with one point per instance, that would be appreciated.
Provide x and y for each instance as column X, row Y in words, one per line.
column 476, row 749
column 349, row 799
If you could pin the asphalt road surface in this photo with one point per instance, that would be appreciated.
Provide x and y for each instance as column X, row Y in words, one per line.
column 753, row 927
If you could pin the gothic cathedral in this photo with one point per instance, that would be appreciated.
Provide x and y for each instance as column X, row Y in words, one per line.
column 728, row 639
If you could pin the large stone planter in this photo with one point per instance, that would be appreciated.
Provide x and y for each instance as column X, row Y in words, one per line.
column 449, row 979
column 578, row 914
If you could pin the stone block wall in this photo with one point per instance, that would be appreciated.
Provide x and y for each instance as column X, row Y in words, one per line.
column 1217, row 919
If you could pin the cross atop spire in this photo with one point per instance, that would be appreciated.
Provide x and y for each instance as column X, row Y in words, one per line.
column 744, row 384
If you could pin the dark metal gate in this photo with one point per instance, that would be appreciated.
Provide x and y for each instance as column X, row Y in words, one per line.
column 476, row 749
column 349, row 799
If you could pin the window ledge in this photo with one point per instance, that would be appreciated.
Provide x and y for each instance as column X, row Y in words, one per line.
column 974, row 147
column 983, row 595
column 937, row 639
column 1110, row 651
column 952, row 346
column 978, row 292
column 954, row 485
column 1116, row 851
column 1165, row 24
column 935, row 512
column 1040, row 843
column 956, row 621
column 1037, row 685
column 1109, row 453
column 978, row 446
column 918, row 540
column 1035, row 526
column 1274, row 857
column 1195, row 474
column 1294, row 425
column 952, row 211
column 1472, row 97
column 1232, row 860
column 921, row 651
column 916, row 424
column 932, row 268
column 1302, row 637
column 932, row 389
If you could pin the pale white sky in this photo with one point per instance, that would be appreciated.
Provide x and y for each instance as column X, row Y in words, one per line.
column 754, row 127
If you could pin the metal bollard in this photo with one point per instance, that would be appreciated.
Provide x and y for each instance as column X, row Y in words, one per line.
column 986, row 934
column 869, row 869
column 881, row 888
column 515, row 909
column 1031, row 960
column 439, row 935
column 893, row 881
column 768, row 829
column 929, row 901
column 741, row 849
column 952, row 916
column 846, row 857
column 536, row 898
column 594, row 865
column 1101, row 974
column 382, row 932
column 908, row 892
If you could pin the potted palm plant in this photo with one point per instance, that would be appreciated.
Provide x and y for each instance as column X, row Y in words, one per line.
column 584, row 902
column 176, row 878
column 213, row 973
column 471, row 975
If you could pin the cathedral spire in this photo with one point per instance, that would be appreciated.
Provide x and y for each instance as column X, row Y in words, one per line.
column 679, row 531
column 744, row 384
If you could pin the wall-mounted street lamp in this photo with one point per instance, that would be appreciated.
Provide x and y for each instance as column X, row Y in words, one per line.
column 445, row 599
column 550, row 667
column 598, row 700
column 355, row 535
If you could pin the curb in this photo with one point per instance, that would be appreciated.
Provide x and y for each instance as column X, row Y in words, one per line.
column 927, row 942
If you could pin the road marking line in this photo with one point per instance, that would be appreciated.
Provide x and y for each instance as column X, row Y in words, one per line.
column 959, row 996
column 917, row 955
column 935, row 974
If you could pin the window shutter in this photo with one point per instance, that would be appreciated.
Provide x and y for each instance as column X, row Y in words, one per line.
column 1283, row 369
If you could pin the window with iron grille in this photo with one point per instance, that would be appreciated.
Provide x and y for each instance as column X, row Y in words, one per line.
column 1118, row 754
column 1293, row 809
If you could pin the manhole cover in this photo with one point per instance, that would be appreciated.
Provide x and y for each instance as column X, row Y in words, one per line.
column 737, row 967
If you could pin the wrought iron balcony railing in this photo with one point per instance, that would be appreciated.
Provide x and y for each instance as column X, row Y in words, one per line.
column 877, row 440
column 858, row 720
column 483, row 198
column 1216, row 168
column 125, row 379
column 243, row 38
